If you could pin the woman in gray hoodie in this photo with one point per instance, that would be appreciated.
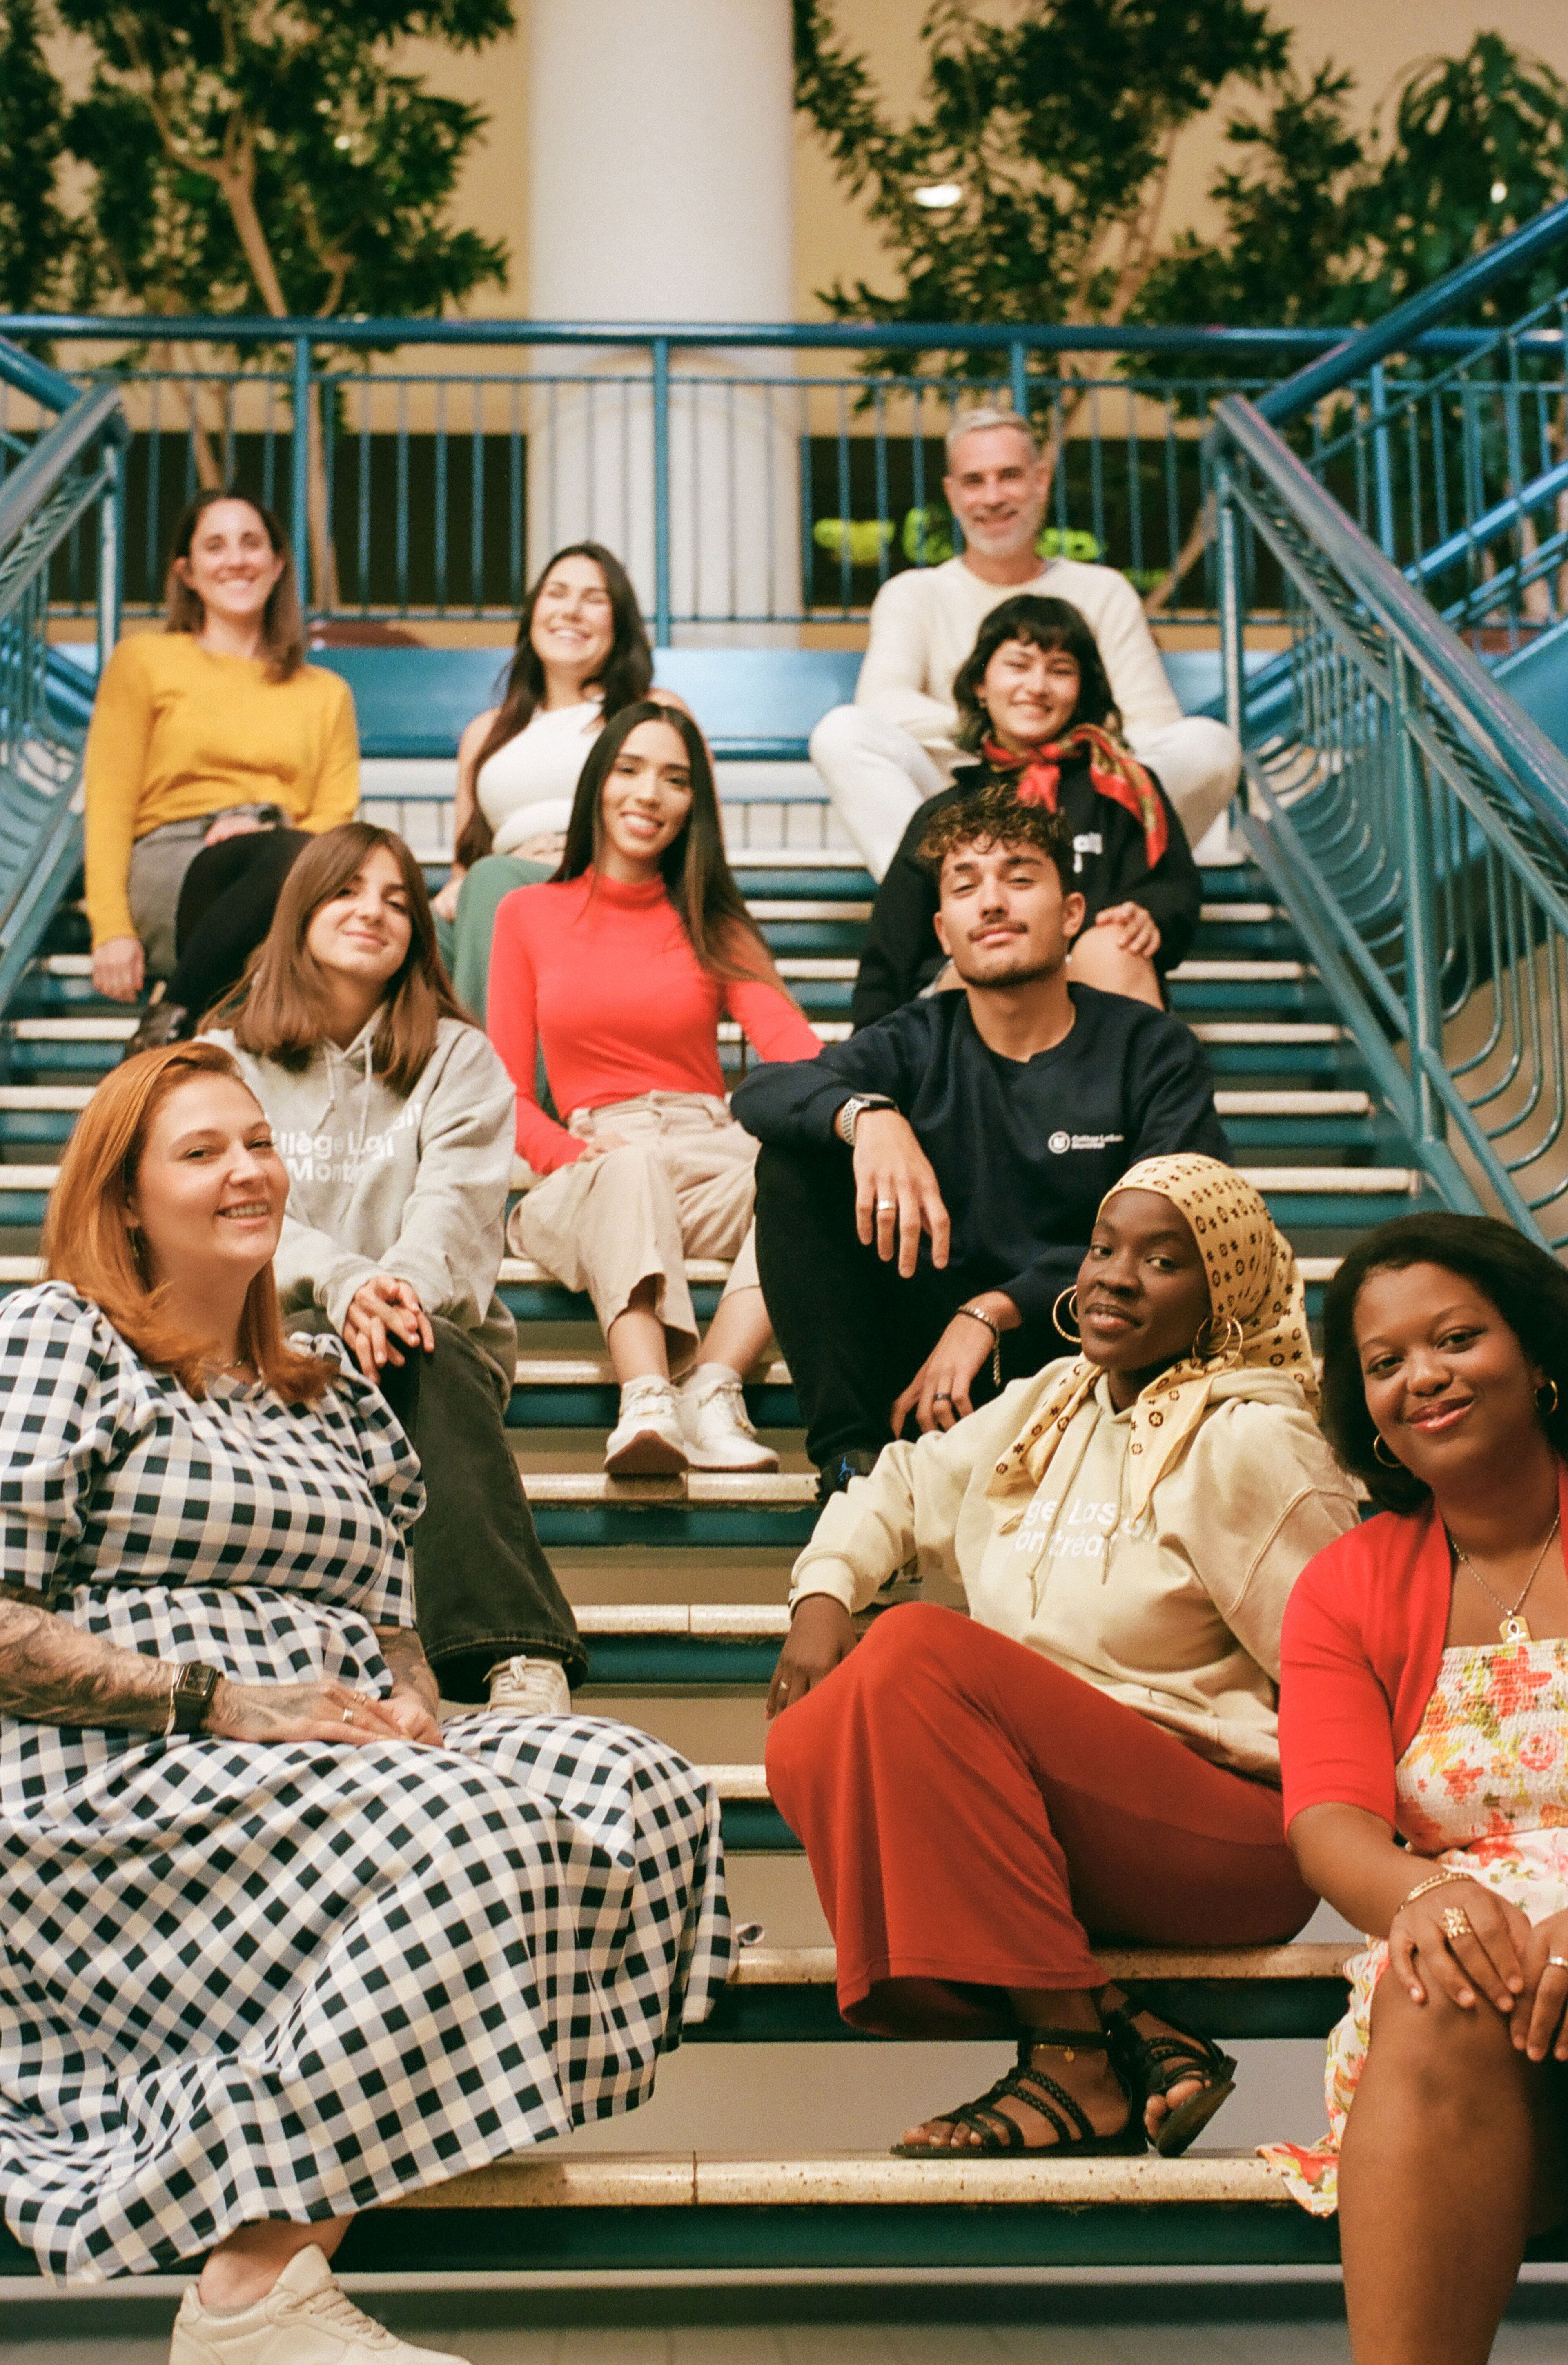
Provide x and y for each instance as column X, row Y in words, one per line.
column 393, row 1117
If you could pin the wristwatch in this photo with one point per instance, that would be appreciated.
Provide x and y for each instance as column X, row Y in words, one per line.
column 192, row 1696
column 854, row 1108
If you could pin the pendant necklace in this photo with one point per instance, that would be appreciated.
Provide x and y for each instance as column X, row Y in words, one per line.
column 1513, row 1628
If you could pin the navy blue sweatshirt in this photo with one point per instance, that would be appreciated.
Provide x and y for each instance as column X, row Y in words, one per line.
column 1024, row 1149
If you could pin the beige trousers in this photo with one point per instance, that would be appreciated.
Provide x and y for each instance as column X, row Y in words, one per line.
column 682, row 1186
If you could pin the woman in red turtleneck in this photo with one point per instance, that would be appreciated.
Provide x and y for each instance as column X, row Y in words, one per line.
column 619, row 970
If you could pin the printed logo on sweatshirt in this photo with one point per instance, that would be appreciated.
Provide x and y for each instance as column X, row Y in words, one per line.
column 1060, row 1141
column 1088, row 841
column 343, row 1157
column 1083, row 1534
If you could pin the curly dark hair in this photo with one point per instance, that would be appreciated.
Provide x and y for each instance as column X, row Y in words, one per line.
column 1528, row 1288
column 1046, row 624
column 993, row 816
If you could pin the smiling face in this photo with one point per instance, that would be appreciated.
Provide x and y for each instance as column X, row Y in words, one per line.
column 645, row 802
column 997, row 487
column 1143, row 1295
column 1003, row 919
column 1448, row 1385
column 1029, row 694
column 210, row 1189
column 362, row 933
column 233, row 566
column 573, row 627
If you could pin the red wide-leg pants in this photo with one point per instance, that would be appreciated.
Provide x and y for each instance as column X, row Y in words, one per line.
column 972, row 1811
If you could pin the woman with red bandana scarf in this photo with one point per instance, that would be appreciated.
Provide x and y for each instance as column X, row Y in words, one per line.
column 1034, row 707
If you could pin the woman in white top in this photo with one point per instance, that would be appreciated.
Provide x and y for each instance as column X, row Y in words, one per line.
column 582, row 654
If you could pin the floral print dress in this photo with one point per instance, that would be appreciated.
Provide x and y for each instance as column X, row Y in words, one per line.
column 1483, row 1786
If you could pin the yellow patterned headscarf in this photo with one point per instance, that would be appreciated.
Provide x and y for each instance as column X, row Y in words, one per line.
column 1258, row 1322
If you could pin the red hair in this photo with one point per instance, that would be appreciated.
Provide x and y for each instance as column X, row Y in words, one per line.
column 88, row 1237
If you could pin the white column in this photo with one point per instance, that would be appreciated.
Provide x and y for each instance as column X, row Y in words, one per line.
column 661, row 189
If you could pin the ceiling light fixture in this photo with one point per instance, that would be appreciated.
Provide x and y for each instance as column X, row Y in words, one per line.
column 939, row 196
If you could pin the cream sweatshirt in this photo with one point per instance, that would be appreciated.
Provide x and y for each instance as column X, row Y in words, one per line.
column 1176, row 1614
column 923, row 624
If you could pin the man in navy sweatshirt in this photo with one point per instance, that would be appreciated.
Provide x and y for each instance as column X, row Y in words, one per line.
column 926, row 1191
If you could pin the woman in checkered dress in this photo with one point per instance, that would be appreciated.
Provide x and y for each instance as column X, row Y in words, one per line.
column 273, row 1947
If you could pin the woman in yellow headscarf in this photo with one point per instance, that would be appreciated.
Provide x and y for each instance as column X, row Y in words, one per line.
column 1093, row 1748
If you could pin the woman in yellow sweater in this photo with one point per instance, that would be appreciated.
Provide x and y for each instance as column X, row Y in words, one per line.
column 214, row 748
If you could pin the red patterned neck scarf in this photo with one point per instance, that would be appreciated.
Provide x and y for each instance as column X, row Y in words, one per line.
column 1036, row 772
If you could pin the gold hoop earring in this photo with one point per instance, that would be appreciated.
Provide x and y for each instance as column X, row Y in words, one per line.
column 1547, row 1410
column 1209, row 1350
column 1389, row 1461
column 1074, row 1338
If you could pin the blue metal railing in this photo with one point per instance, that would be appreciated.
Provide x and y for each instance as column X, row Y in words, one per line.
column 70, row 474
column 1408, row 813
column 752, row 472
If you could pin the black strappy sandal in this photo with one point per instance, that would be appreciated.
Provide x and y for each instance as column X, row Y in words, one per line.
column 1075, row 2136
column 1153, row 2065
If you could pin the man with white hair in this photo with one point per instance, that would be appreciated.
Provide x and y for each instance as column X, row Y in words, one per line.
column 895, row 746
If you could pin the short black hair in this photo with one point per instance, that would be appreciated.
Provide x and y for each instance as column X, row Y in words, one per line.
column 1046, row 625
column 995, row 815
column 1528, row 1287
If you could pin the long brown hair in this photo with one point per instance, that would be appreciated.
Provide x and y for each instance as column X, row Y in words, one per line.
column 627, row 672
column 695, row 869
column 282, row 625
column 279, row 1010
column 89, row 1241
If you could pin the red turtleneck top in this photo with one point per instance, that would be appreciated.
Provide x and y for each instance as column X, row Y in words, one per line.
column 603, row 978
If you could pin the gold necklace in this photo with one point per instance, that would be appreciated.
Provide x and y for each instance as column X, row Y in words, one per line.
column 1514, row 1629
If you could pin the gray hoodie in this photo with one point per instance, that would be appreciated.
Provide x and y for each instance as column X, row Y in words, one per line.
column 378, row 1182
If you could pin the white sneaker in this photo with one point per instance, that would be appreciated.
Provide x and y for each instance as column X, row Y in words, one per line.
column 647, row 1439
column 719, row 1434
column 306, row 2318
column 531, row 1687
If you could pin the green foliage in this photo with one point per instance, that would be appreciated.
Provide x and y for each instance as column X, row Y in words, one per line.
column 35, row 236
column 262, row 156
column 1059, row 124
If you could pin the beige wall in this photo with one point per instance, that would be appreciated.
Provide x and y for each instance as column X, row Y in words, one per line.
column 833, row 239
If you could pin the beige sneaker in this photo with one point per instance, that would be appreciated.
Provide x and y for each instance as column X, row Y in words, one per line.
column 306, row 2319
column 715, row 1423
column 531, row 1687
column 648, row 1440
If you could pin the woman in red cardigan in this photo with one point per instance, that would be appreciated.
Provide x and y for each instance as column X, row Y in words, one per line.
column 1424, row 1698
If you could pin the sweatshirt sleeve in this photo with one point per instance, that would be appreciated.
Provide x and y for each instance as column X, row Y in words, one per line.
column 775, row 1027
column 904, row 1514
column 894, row 669
column 1336, row 1720
column 509, row 1010
column 449, row 1244
column 1172, row 1091
column 1272, row 1497
column 791, row 1103
column 900, row 943
column 113, row 768
column 334, row 796
column 1139, row 683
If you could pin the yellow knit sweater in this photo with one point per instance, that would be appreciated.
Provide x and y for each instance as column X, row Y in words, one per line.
column 178, row 732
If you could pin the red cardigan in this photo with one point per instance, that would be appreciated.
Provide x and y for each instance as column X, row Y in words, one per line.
column 1360, row 1651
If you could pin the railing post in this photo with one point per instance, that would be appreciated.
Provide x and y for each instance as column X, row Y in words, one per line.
column 1383, row 475
column 299, row 471
column 1018, row 372
column 110, row 559
column 661, row 494
column 1231, row 622
column 1423, row 1010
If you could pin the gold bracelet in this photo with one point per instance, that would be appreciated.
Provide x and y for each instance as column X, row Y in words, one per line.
column 1434, row 1880
column 978, row 1314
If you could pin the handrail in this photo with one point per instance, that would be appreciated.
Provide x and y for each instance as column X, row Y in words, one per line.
column 48, row 386
column 92, row 416
column 1400, row 331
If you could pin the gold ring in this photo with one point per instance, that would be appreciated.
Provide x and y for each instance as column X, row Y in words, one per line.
column 1456, row 1924
column 348, row 1716
column 1557, row 1962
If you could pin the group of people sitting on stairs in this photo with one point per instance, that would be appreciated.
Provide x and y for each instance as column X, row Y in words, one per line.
column 316, row 1889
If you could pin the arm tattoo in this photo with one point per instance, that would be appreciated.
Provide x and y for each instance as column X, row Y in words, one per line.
column 50, row 1673
column 410, row 1669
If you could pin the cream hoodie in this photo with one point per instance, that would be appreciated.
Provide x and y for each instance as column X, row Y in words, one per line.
column 377, row 1183
column 1176, row 1614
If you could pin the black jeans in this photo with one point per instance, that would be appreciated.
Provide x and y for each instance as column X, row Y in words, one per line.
column 853, row 1332
column 227, row 900
column 483, row 1588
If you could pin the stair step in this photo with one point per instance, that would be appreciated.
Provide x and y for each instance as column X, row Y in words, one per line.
column 1270, row 1030
column 1188, row 972
column 781, row 910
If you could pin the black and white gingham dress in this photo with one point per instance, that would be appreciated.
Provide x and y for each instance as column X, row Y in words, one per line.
column 244, row 1979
